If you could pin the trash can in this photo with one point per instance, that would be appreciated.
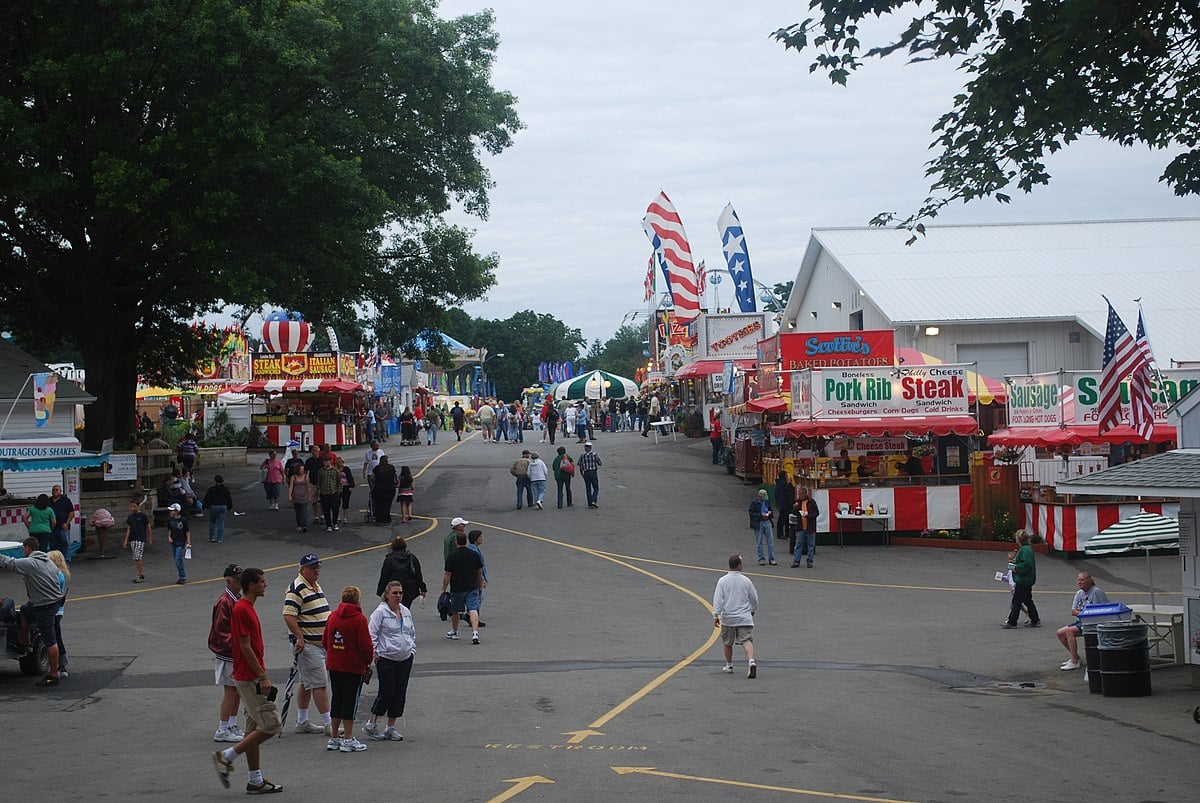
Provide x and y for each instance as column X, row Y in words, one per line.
column 1124, row 659
column 1091, row 652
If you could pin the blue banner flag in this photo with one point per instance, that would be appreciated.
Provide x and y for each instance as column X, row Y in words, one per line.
column 737, row 257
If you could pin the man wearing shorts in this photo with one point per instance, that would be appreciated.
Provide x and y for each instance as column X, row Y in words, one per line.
column 254, row 688
column 305, row 610
column 734, row 604
column 139, row 531
column 464, row 578
column 220, row 644
column 1088, row 594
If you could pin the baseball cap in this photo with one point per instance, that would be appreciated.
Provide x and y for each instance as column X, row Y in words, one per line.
column 232, row 570
column 458, row 521
column 589, row 443
column 174, row 506
column 310, row 560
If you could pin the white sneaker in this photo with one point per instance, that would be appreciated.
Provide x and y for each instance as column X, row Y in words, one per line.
column 334, row 744
column 352, row 745
column 236, row 731
column 308, row 727
column 393, row 735
column 727, row 669
column 226, row 735
column 1069, row 665
column 372, row 731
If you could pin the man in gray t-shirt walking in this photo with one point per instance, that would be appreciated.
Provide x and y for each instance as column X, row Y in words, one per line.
column 734, row 604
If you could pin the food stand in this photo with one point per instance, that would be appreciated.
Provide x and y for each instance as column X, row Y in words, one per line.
column 1053, row 420
column 884, row 415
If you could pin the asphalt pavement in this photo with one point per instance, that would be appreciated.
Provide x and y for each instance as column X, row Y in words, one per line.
column 883, row 672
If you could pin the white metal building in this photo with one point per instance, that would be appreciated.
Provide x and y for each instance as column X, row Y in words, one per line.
column 1015, row 299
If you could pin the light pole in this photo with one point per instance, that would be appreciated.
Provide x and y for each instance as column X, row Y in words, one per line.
column 480, row 377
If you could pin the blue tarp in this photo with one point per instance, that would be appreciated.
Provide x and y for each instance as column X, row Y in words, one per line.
column 84, row 460
column 423, row 342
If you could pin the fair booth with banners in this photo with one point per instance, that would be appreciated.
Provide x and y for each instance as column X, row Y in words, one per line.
column 906, row 433
column 725, row 343
column 38, row 448
column 1053, row 424
column 311, row 397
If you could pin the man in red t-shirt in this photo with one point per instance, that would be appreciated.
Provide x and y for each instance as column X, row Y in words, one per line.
column 254, row 688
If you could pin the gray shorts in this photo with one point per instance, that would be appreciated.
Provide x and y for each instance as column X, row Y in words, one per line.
column 736, row 634
column 312, row 667
column 223, row 672
column 137, row 549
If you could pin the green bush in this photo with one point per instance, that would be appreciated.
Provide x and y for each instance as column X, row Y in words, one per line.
column 1004, row 523
column 972, row 527
column 252, row 438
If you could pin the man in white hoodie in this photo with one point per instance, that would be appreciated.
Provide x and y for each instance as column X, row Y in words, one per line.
column 45, row 598
column 734, row 604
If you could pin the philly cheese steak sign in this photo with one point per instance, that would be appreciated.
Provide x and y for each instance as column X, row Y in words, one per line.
column 921, row 390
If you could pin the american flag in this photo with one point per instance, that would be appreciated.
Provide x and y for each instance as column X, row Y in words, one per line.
column 1141, row 402
column 648, row 283
column 701, row 282
column 1122, row 357
column 673, row 246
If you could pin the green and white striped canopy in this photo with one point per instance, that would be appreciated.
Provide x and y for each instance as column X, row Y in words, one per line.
column 1141, row 531
column 596, row 385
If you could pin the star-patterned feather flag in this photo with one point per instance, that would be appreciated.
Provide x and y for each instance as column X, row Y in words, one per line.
column 733, row 243
column 674, row 251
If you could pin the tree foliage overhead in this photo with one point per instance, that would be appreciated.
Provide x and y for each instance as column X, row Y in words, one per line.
column 624, row 352
column 1042, row 74
column 162, row 160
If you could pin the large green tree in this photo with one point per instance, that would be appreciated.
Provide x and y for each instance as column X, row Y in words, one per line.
column 1042, row 73
column 161, row 159
column 526, row 340
column 623, row 353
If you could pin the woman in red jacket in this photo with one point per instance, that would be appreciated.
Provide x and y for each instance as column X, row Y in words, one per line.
column 348, row 653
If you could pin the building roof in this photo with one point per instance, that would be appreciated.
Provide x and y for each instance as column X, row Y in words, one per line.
column 1175, row 473
column 1026, row 272
column 15, row 367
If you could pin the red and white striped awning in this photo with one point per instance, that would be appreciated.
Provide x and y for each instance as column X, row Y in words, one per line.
column 298, row 386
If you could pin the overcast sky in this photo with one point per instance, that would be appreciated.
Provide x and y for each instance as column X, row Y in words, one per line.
column 623, row 99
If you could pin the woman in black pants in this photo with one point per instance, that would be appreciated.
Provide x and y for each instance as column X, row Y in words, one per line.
column 395, row 642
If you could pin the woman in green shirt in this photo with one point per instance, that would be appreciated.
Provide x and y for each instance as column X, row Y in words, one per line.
column 40, row 521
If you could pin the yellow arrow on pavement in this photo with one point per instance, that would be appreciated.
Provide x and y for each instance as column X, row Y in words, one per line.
column 579, row 736
column 521, row 785
column 745, row 785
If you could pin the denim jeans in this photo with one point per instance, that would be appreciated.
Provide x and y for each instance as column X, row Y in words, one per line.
column 806, row 544
column 431, row 432
column 524, row 491
column 216, row 522
column 565, row 482
column 764, row 533
column 539, row 491
column 501, row 430
column 591, row 486
column 179, row 561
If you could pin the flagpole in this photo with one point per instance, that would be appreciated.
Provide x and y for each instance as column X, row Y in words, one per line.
column 4, row 426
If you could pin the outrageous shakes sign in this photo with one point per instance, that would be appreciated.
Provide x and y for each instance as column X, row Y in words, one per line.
column 921, row 390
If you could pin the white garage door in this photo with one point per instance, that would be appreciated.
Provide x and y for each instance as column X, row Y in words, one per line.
column 996, row 359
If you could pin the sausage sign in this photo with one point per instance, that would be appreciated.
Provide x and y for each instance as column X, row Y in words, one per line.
column 919, row 390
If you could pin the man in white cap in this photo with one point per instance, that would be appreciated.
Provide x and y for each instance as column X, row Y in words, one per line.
column 589, row 466
column 457, row 527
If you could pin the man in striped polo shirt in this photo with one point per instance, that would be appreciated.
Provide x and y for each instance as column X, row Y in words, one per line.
column 305, row 610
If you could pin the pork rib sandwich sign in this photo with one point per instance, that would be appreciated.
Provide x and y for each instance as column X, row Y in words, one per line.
column 921, row 390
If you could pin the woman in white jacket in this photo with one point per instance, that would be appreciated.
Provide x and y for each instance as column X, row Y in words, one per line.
column 395, row 641
column 537, row 478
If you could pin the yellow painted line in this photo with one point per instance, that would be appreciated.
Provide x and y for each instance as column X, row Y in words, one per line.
column 666, row 675
column 439, row 456
column 521, row 785
column 747, row 785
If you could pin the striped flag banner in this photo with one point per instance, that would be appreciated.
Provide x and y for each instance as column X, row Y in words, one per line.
column 657, row 256
column 1121, row 358
column 1141, row 403
column 662, row 218
column 648, row 283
